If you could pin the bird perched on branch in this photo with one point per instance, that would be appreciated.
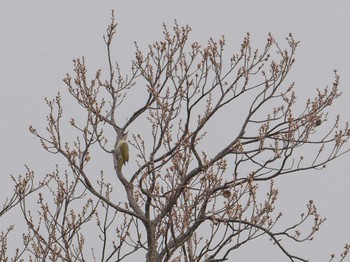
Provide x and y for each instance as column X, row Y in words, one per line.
column 121, row 151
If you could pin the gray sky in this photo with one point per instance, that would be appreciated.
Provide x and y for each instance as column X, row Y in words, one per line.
column 39, row 39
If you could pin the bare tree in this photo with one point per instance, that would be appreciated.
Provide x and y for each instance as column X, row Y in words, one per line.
column 182, row 197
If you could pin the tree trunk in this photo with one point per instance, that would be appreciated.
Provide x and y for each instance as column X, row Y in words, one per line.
column 152, row 255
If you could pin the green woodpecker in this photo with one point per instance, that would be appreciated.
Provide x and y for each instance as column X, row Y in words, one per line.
column 121, row 151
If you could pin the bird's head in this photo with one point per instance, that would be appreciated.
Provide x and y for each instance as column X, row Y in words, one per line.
column 124, row 136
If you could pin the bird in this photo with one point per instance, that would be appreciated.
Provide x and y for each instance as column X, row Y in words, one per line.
column 121, row 151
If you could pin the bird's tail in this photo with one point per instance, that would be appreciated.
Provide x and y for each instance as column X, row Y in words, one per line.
column 120, row 164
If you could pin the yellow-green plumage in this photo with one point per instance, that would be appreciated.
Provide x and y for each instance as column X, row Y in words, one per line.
column 122, row 152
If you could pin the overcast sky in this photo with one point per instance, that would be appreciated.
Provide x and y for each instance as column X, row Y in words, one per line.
column 39, row 39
